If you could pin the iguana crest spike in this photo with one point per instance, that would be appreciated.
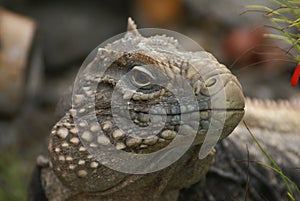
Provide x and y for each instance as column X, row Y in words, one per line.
column 131, row 26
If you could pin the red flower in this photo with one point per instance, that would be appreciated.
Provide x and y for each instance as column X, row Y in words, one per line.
column 295, row 77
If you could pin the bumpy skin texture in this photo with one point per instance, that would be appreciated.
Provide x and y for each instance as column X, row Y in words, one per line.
column 75, row 174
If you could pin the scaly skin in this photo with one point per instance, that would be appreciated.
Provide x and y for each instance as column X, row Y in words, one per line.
column 76, row 174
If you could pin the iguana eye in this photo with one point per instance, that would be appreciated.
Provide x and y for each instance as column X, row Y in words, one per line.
column 141, row 77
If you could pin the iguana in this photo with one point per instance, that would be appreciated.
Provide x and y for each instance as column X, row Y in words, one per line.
column 73, row 171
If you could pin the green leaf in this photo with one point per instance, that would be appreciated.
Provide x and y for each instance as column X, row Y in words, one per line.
column 279, row 37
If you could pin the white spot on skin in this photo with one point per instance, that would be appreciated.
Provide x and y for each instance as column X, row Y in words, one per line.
column 93, row 145
column 81, row 162
column 82, row 173
column 120, row 146
column 67, row 124
column 87, row 136
column 82, row 149
column 82, row 124
column 128, row 94
column 73, row 131
column 61, row 158
column 137, row 96
column 103, row 140
column 133, row 142
column 168, row 134
column 69, row 158
column 74, row 140
column 117, row 134
column 64, row 145
column 72, row 167
column 62, row 133
column 86, row 88
column 142, row 146
column 151, row 140
column 73, row 112
column 107, row 125
column 82, row 110
column 94, row 164
column 57, row 149
column 95, row 128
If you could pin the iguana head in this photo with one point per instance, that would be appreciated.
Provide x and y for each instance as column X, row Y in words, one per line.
column 146, row 84
column 142, row 93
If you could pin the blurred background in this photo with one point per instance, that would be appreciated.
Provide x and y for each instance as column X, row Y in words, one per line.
column 43, row 43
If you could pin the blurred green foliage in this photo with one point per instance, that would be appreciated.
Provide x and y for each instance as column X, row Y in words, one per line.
column 14, row 176
column 285, row 19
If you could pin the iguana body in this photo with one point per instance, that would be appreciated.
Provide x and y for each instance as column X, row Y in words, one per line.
column 75, row 174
